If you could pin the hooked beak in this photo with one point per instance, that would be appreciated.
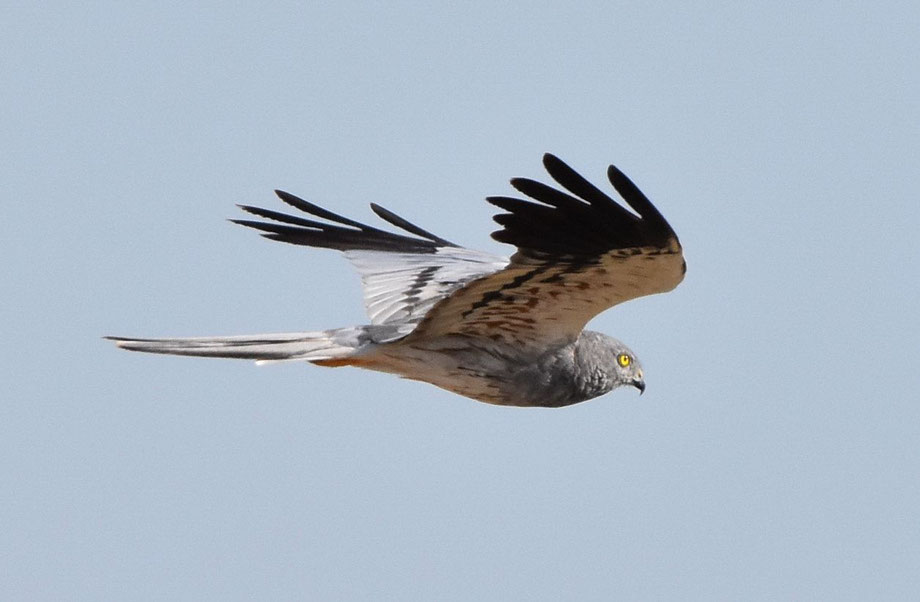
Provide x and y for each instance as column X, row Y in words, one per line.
column 639, row 384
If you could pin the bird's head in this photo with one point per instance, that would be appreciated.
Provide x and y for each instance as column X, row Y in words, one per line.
column 628, row 369
column 607, row 363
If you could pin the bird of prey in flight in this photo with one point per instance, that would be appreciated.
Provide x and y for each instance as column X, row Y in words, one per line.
column 502, row 331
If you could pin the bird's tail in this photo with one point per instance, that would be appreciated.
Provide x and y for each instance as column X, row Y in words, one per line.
column 322, row 346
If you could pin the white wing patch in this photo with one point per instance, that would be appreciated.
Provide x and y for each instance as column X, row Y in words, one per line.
column 403, row 287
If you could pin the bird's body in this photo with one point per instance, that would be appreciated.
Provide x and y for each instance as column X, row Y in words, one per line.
column 506, row 332
column 498, row 373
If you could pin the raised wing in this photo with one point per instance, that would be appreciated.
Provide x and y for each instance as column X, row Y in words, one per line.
column 579, row 252
column 402, row 276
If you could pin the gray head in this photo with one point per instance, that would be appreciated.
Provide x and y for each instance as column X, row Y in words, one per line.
column 603, row 363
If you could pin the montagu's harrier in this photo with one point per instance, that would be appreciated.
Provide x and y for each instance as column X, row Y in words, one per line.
column 501, row 331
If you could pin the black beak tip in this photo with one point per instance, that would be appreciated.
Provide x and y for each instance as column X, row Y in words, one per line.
column 639, row 384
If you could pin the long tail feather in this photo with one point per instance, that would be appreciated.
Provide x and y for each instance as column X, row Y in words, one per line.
column 306, row 346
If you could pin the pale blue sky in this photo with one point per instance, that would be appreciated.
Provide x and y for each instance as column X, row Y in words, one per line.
column 775, row 454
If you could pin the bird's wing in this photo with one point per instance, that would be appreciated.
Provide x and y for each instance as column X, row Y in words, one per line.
column 402, row 276
column 578, row 253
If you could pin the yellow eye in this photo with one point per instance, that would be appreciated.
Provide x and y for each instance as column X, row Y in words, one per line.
column 624, row 360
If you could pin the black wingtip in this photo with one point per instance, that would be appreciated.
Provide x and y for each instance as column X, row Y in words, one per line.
column 400, row 222
column 342, row 233
column 634, row 197
column 578, row 217
column 249, row 209
column 550, row 160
